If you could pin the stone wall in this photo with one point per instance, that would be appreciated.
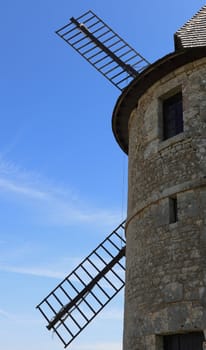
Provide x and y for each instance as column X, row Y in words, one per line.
column 166, row 262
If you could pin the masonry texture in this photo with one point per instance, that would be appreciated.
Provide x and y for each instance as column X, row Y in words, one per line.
column 166, row 262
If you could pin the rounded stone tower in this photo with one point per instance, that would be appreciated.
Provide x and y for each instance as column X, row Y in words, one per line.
column 160, row 121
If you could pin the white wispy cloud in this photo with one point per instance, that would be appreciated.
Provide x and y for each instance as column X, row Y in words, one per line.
column 5, row 314
column 21, row 260
column 18, row 318
column 15, row 187
column 58, row 206
column 34, row 271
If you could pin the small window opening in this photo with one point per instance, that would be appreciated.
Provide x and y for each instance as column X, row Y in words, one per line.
column 173, row 217
column 172, row 116
column 186, row 341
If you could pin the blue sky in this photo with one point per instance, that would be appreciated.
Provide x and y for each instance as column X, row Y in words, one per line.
column 62, row 175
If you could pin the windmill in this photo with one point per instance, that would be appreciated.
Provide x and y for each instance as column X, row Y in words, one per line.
column 77, row 300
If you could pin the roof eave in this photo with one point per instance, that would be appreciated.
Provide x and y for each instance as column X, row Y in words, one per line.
column 128, row 100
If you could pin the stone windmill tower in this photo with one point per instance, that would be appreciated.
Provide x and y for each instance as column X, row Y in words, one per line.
column 160, row 121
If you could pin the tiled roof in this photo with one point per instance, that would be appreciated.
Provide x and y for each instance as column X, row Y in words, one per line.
column 193, row 32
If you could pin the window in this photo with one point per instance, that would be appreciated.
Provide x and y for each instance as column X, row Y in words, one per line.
column 172, row 116
column 173, row 210
column 187, row 341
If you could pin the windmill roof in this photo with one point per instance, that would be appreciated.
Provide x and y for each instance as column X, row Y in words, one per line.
column 193, row 32
column 190, row 45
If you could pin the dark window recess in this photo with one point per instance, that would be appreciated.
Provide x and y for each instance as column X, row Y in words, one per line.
column 172, row 116
column 188, row 341
column 173, row 210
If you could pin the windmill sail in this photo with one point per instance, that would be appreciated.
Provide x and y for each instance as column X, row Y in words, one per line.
column 103, row 48
column 77, row 300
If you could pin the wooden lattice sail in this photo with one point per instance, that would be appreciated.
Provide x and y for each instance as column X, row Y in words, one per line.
column 104, row 49
column 77, row 300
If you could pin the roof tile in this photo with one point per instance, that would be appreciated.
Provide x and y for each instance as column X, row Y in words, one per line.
column 193, row 32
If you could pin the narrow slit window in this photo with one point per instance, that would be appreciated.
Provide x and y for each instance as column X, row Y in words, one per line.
column 173, row 210
column 172, row 116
